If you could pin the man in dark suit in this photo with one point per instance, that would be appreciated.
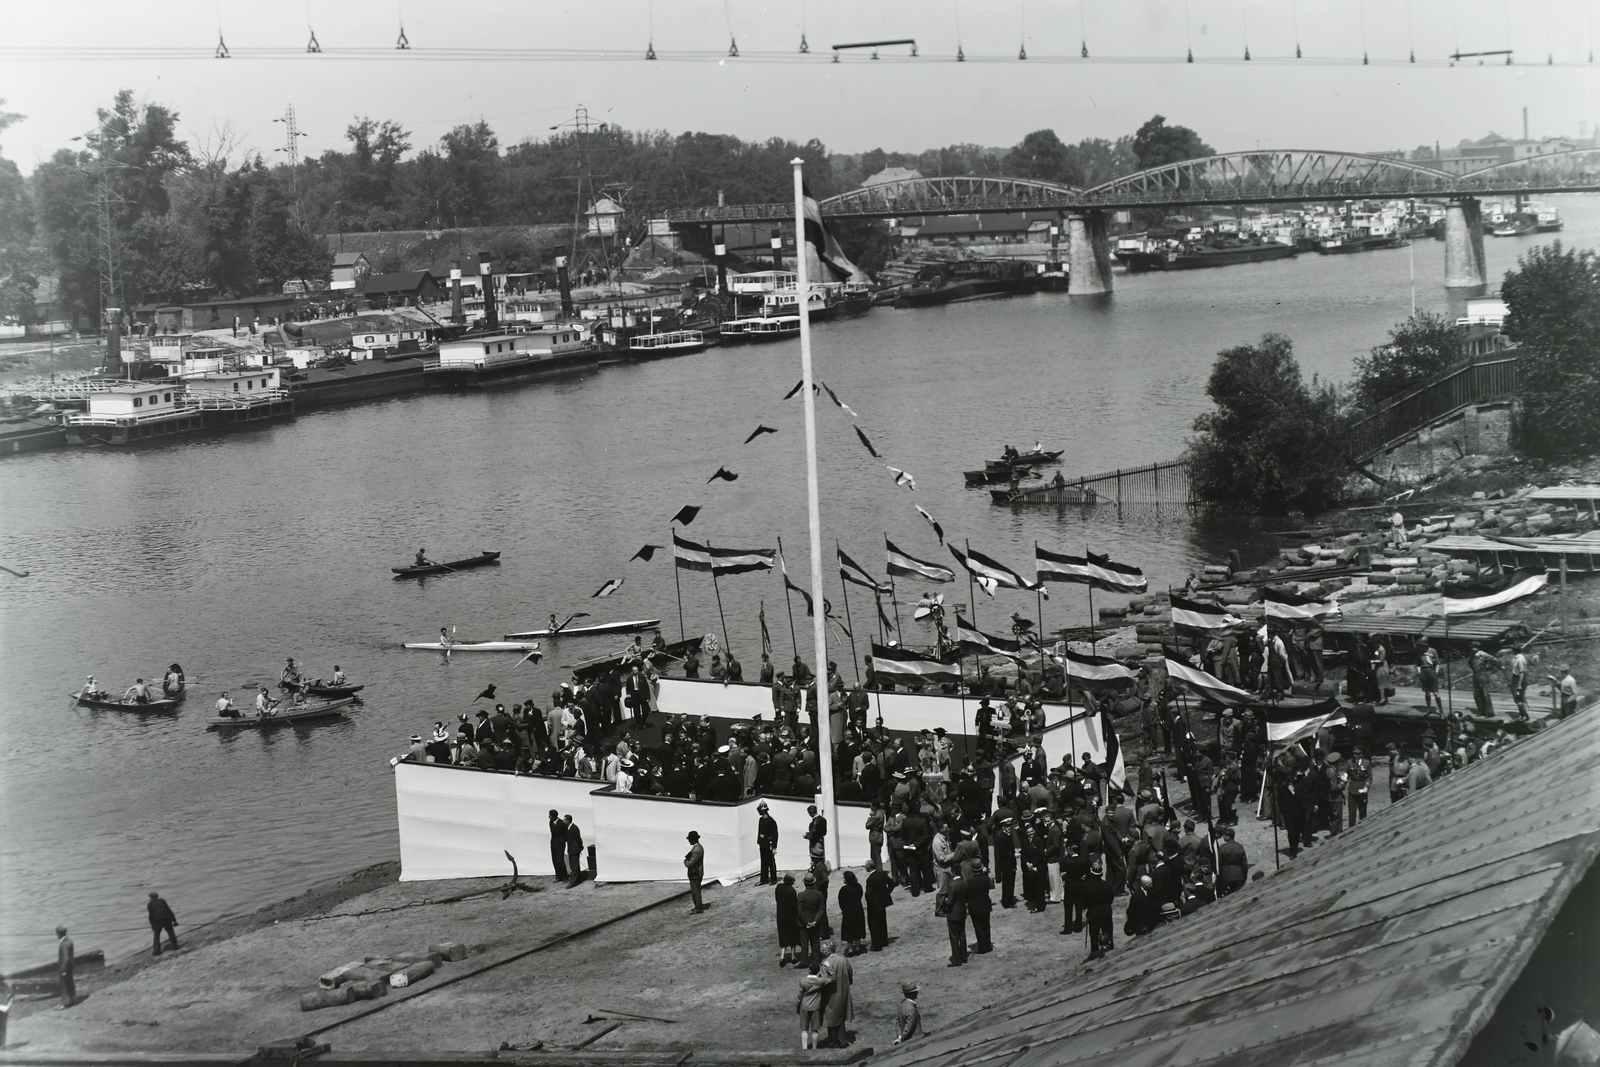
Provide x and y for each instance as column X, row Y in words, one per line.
column 767, row 843
column 880, row 894
column 161, row 918
column 574, row 852
column 979, row 907
column 1096, row 897
column 1074, row 870
column 956, row 919
column 694, row 863
column 1003, row 832
column 558, row 845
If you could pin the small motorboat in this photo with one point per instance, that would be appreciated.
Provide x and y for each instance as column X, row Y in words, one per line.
column 319, row 689
column 249, row 720
column 477, row 646
column 590, row 630
column 483, row 559
column 106, row 702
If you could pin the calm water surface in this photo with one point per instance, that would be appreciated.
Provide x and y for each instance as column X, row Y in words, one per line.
column 229, row 553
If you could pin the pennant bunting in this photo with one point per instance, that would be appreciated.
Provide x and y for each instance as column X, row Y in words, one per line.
column 811, row 608
column 867, row 443
column 1205, row 686
column 691, row 556
column 758, row 431
column 841, row 404
column 855, row 573
column 644, row 553
column 902, row 478
column 686, row 514
column 723, row 473
column 908, row 566
column 1200, row 616
column 606, row 590
column 931, row 522
column 981, row 567
column 900, row 667
column 798, row 386
column 1293, row 607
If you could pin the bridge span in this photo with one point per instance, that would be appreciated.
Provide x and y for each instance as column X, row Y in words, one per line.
column 1295, row 176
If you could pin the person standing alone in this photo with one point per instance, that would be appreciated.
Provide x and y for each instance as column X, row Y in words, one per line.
column 66, row 956
column 558, row 846
column 162, row 919
column 767, row 843
column 694, row 862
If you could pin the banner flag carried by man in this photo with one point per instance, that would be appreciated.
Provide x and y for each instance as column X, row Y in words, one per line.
column 905, row 565
column 692, row 556
column 899, row 666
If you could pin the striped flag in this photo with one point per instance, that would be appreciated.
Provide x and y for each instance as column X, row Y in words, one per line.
column 1117, row 770
column 1289, row 721
column 899, row 666
column 811, row 607
column 855, row 573
column 1204, row 686
column 908, row 566
column 692, row 556
column 1198, row 616
column 1093, row 672
column 821, row 248
column 1090, row 569
column 972, row 639
column 1292, row 607
column 982, row 567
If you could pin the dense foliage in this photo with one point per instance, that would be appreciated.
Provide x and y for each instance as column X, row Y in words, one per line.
column 1553, row 304
column 1271, row 444
column 1419, row 349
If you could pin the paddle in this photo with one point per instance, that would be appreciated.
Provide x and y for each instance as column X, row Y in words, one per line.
column 445, row 566
column 556, row 629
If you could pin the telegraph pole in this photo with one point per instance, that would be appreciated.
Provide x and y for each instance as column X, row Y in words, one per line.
column 293, row 133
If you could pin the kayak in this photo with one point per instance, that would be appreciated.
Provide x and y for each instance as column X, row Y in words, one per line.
column 476, row 646
column 119, row 705
column 481, row 560
column 249, row 720
column 317, row 690
column 582, row 631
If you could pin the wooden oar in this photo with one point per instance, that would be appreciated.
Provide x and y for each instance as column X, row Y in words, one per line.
column 449, row 569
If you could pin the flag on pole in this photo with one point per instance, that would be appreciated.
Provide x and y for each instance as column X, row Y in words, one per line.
column 1095, row 671
column 821, row 249
column 606, row 590
column 766, row 635
column 1292, row 607
column 908, row 566
column 692, row 556
column 1289, row 722
column 1117, row 770
column 1198, row 616
column 982, row 567
column 811, row 609
column 900, row 666
column 1205, row 686
column 972, row 639
column 856, row 574
column 1097, row 571
column 883, row 617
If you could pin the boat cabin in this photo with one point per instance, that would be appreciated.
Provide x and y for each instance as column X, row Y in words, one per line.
column 138, row 400
column 246, row 384
column 557, row 339
column 762, row 281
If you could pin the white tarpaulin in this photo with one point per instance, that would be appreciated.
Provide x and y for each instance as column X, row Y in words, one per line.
column 1526, row 587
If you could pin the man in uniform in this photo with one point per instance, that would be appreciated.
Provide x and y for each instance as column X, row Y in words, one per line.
column 1002, row 831
column 558, row 846
column 1360, row 784
column 980, row 907
column 767, row 843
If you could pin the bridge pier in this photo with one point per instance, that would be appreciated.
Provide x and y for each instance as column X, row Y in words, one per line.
column 1089, row 252
column 1463, row 244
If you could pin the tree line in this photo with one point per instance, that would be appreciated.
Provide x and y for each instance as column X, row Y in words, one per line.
column 190, row 221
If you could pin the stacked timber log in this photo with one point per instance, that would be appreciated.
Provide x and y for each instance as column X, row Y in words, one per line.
column 373, row 976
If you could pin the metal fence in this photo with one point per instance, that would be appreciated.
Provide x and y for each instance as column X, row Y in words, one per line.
column 1492, row 379
column 1159, row 483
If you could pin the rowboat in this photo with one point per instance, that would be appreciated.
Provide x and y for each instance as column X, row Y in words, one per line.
column 169, row 704
column 1049, row 493
column 331, row 709
column 475, row 646
column 317, row 689
column 587, row 631
column 480, row 560
column 1035, row 457
column 996, row 475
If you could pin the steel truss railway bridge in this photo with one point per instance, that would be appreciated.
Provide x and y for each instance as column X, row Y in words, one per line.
column 1295, row 176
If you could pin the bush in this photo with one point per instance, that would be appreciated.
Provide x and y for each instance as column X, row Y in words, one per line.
column 1419, row 349
column 1272, row 444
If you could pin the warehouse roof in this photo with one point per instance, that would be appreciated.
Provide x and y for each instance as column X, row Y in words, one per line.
column 1390, row 944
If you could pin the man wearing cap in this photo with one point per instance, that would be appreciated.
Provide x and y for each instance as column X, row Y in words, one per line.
column 1003, row 832
column 161, row 918
column 1519, row 680
column 1358, row 774
column 66, row 956
column 1096, row 897
column 1233, row 868
column 694, row 862
column 767, row 843
column 813, row 904
column 908, row 1018
column 1566, row 690
column 1480, row 663
column 1333, row 801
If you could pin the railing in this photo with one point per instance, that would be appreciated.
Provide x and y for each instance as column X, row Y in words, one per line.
column 184, row 404
column 1159, row 483
column 1494, row 379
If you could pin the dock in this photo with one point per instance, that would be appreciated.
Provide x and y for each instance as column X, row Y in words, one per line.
column 1404, row 631
column 1578, row 554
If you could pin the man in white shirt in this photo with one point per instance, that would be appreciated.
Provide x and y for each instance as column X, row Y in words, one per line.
column 1519, row 682
column 226, row 708
column 338, row 675
column 264, row 703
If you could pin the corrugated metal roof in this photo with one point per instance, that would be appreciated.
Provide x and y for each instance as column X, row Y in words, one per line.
column 1390, row 944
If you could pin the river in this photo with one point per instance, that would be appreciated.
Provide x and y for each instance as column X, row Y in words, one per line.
column 229, row 553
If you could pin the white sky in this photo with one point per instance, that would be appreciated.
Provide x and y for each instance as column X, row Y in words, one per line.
column 851, row 106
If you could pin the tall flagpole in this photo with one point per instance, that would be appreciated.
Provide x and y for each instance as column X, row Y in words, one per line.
column 676, row 584
column 819, row 623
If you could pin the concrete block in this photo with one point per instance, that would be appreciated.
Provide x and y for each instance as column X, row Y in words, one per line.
column 339, row 975
column 412, row 973
column 455, row 951
column 318, row 999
